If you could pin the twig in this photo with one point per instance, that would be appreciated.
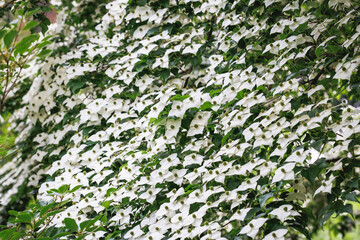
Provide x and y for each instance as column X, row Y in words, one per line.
column 47, row 224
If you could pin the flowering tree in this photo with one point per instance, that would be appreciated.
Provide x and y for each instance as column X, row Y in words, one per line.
column 188, row 120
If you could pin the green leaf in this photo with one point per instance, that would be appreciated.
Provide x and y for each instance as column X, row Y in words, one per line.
column 350, row 196
column 39, row 222
column 30, row 25
column 252, row 213
column 62, row 234
column 33, row 12
column 46, row 208
column 2, row 33
column 88, row 223
column 348, row 208
column 17, row 235
column 311, row 173
column 75, row 188
column 64, row 188
column 319, row 51
column 44, row 53
column 71, row 224
column 13, row 213
column 43, row 44
column 179, row 97
column 9, row 38
column 263, row 198
column 206, row 105
column 23, row 217
column 5, row 234
column 164, row 74
column 25, row 43
column 317, row 145
column 76, row 84
column 325, row 217
column 106, row 204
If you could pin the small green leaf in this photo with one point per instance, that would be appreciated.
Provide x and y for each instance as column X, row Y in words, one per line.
column 106, row 204
column 6, row 234
column 311, row 173
column 30, row 25
column 88, row 223
column 75, row 188
column 263, row 198
column 348, row 208
column 350, row 196
column 179, row 97
column 319, row 51
column 33, row 12
column 45, row 209
column 23, row 217
column 317, row 145
column 206, row 105
column 43, row 44
column 71, row 224
column 62, row 234
column 13, row 213
column 44, row 53
column 2, row 33
column 76, row 84
column 9, row 38
column 25, row 43
column 325, row 217
column 63, row 188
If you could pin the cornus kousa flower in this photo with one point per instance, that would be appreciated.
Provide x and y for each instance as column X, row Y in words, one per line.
column 284, row 212
column 276, row 235
column 284, row 173
column 252, row 228
column 326, row 186
column 198, row 123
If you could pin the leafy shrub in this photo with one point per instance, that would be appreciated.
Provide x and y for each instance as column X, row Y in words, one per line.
column 190, row 119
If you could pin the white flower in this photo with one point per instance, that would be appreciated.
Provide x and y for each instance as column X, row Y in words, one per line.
column 297, row 156
column 248, row 184
column 291, row 6
column 193, row 159
column 251, row 131
column 284, row 212
column 134, row 233
column 279, row 151
column 172, row 127
column 264, row 139
column 252, row 228
column 326, row 186
column 276, row 235
column 177, row 109
column 240, row 214
column 284, row 173
column 192, row 49
column 198, row 123
column 150, row 194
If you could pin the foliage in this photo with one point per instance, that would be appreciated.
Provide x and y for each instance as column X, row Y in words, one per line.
column 20, row 43
column 190, row 119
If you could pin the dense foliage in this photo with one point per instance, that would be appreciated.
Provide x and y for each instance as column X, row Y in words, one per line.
column 179, row 119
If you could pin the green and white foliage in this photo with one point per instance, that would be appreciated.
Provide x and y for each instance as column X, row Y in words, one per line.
column 184, row 119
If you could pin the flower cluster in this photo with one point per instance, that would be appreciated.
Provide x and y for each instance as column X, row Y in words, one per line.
column 193, row 119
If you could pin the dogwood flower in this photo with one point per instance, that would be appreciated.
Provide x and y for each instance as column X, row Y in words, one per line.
column 276, row 235
column 284, row 173
column 284, row 212
column 252, row 228
column 326, row 186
